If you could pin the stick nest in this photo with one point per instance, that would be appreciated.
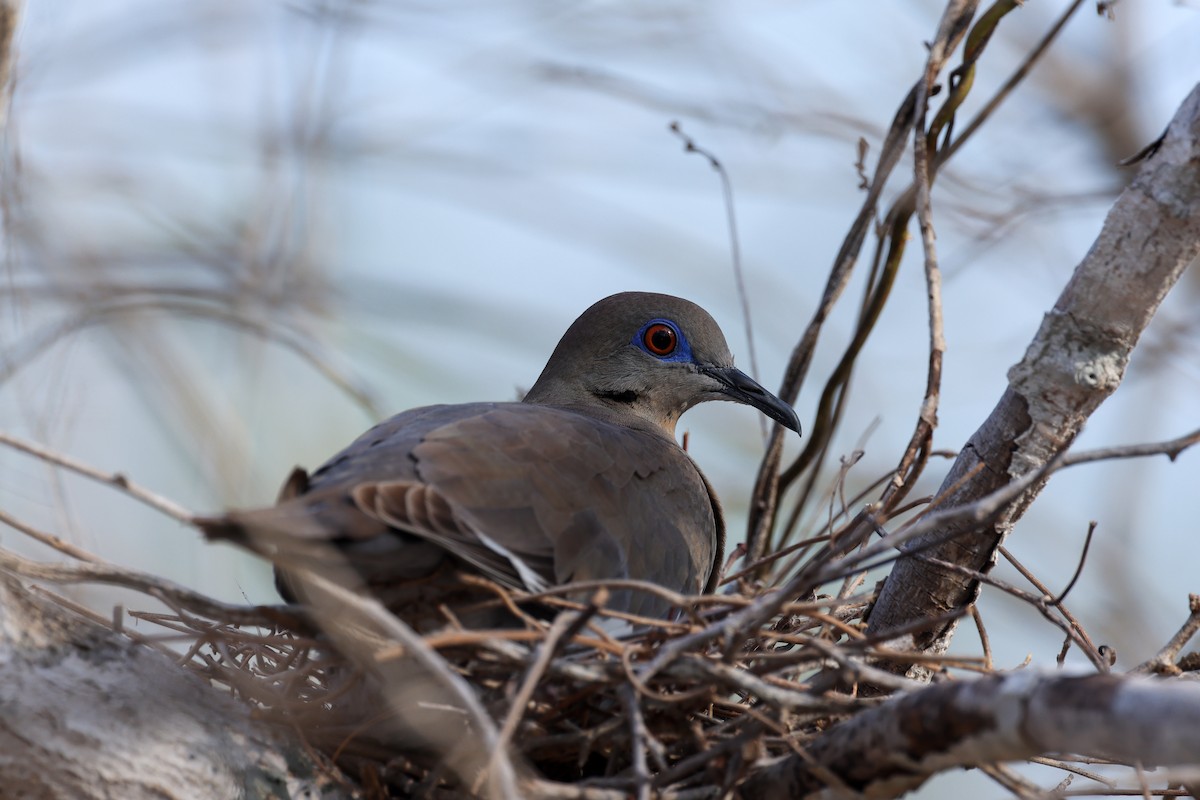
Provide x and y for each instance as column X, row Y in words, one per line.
column 578, row 699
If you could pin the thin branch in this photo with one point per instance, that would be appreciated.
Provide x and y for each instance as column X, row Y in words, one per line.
column 1069, row 625
column 988, row 664
column 563, row 623
column 637, row 743
column 50, row 540
column 1164, row 659
column 1171, row 448
column 152, row 585
column 114, row 479
column 690, row 146
column 1087, row 543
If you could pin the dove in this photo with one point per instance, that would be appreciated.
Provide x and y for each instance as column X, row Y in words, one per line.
column 582, row 480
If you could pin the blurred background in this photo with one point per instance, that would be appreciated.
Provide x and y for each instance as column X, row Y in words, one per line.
column 237, row 234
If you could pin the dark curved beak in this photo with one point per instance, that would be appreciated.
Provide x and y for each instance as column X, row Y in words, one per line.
column 741, row 388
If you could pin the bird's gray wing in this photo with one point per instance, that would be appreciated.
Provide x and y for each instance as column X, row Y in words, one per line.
column 528, row 495
column 578, row 498
column 369, row 502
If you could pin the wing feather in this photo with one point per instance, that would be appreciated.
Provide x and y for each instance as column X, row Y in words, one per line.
column 529, row 495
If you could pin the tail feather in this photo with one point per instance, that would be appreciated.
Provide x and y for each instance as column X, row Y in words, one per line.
column 221, row 529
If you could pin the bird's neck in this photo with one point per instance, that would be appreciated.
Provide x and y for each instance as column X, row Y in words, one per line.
column 615, row 410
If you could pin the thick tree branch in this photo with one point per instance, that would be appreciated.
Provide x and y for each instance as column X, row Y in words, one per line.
column 1076, row 360
column 886, row 751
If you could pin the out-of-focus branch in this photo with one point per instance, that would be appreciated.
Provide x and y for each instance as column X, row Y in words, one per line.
column 433, row 707
column 115, row 479
column 160, row 588
column 10, row 12
column 1076, row 360
column 89, row 714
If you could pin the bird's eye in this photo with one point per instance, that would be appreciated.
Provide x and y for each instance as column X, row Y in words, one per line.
column 660, row 339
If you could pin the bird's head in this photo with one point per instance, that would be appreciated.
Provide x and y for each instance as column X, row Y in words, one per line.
column 652, row 356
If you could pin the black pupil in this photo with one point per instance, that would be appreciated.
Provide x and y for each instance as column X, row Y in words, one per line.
column 662, row 339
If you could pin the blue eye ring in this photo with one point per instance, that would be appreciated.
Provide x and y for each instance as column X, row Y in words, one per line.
column 662, row 339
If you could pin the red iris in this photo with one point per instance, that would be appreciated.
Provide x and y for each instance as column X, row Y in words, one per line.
column 660, row 339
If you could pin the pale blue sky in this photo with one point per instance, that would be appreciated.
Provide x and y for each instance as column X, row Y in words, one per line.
column 458, row 181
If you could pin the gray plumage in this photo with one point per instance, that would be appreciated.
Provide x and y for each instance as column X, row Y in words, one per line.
column 582, row 480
